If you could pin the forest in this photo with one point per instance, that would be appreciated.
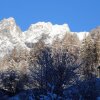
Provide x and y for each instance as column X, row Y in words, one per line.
column 69, row 69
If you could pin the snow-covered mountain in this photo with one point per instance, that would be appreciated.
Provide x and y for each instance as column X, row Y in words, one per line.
column 35, row 32
column 11, row 35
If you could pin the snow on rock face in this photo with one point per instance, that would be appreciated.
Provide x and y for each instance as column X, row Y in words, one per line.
column 36, row 31
column 81, row 35
column 5, row 46
column 11, row 36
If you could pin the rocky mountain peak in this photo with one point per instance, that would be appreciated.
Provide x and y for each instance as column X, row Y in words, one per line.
column 11, row 36
column 7, row 23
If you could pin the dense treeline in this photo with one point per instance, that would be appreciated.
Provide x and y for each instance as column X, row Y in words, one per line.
column 66, row 70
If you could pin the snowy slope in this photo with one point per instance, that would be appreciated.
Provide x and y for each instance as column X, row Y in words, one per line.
column 11, row 35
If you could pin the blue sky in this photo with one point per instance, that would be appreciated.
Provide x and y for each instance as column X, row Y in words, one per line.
column 80, row 15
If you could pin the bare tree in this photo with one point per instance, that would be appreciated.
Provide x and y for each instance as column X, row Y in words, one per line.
column 54, row 69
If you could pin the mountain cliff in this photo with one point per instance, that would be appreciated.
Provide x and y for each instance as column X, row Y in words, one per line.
column 11, row 35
